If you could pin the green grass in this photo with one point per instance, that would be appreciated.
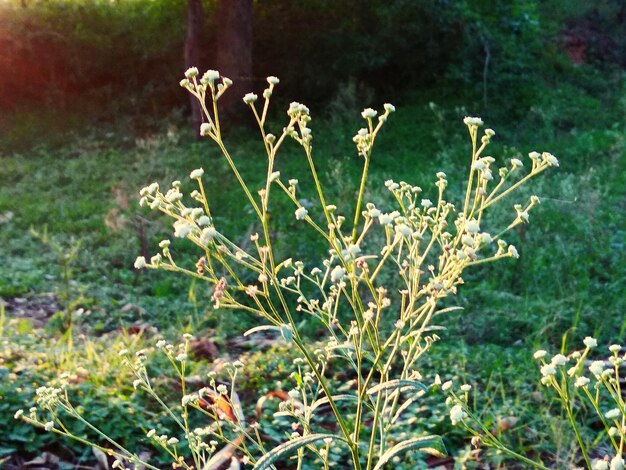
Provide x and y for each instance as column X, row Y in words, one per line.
column 570, row 275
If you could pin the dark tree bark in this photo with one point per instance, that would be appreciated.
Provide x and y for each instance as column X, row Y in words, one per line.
column 234, row 48
column 193, row 44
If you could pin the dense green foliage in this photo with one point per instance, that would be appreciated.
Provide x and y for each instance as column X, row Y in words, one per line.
column 78, row 57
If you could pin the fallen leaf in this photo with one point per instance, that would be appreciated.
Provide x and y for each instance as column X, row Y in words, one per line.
column 222, row 405
column 203, row 349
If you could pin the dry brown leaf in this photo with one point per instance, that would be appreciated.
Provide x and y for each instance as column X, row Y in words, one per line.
column 203, row 349
column 505, row 424
column 222, row 405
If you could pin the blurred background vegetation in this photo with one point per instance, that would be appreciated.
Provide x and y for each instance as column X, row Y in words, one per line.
column 91, row 111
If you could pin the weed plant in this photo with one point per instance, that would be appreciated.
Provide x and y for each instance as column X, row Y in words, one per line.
column 577, row 382
column 371, row 330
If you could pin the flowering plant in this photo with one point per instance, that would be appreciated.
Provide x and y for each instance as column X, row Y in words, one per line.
column 566, row 376
column 376, row 334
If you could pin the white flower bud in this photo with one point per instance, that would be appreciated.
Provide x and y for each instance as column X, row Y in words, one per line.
column 582, row 382
column 274, row 176
column 369, row 113
column 472, row 121
column 301, row 213
column 205, row 129
column 612, row 414
column 617, row 463
column 590, row 342
column 250, row 98
column 403, row 230
column 550, row 159
column 182, row 229
column 210, row 76
column 596, row 367
column 548, row 369
column 203, row 220
column 479, row 165
column 191, row 72
column 354, row 250
column 197, row 173
column 485, row 238
column 457, row 414
column 600, row 465
column 472, row 226
column 208, row 234
column 140, row 262
column 337, row 274
column 467, row 240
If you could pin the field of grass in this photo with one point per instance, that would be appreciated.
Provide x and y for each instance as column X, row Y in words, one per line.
column 71, row 227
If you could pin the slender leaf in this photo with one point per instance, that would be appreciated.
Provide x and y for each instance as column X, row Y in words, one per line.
column 449, row 309
column 288, row 447
column 432, row 445
column 402, row 385
column 256, row 329
column 322, row 401
column 421, row 331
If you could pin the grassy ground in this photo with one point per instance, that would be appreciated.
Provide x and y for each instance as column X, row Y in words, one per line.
column 83, row 196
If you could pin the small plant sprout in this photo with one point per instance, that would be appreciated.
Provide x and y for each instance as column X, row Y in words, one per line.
column 387, row 274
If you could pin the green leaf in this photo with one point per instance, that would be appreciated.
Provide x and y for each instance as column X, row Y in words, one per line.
column 449, row 309
column 256, row 329
column 288, row 447
column 322, row 401
column 284, row 329
column 421, row 331
column 287, row 332
column 402, row 385
column 432, row 445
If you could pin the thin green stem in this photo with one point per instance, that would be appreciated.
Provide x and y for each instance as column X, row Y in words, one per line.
column 359, row 200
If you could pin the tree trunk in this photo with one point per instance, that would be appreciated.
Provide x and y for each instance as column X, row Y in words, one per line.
column 193, row 43
column 234, row 48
